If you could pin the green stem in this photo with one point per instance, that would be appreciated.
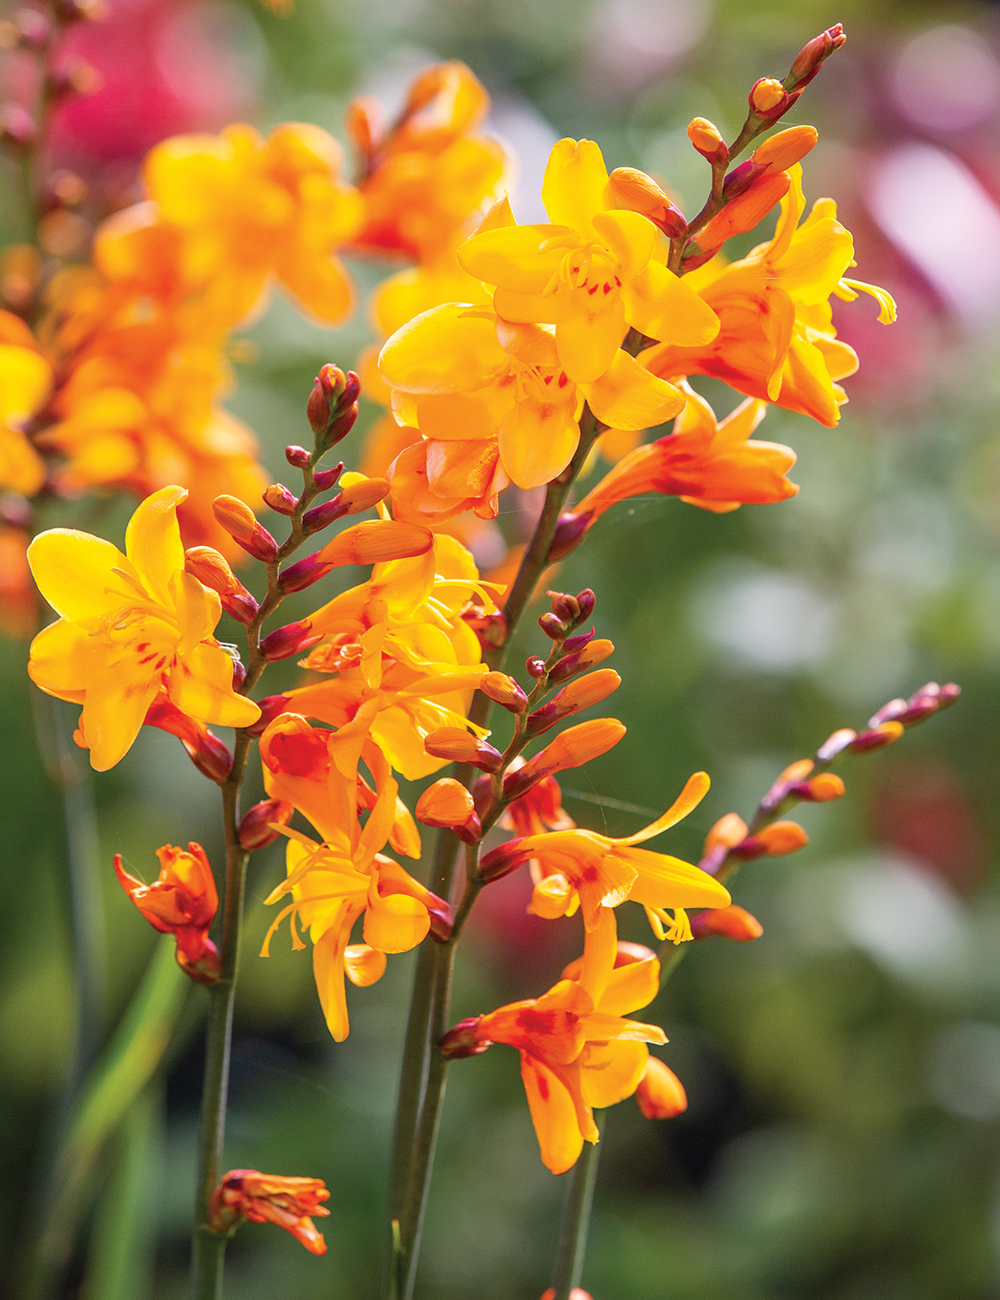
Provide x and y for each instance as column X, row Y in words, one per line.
column 572, row 1247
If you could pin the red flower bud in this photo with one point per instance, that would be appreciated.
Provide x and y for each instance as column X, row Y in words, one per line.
column 271, row 706
column 288, row 640
column 462, row 1040
column 326, row 478
column 333, row 405
column 241, row 524
column 297, row 456
column 255, row 828
column 811, row 57
column 278, row 497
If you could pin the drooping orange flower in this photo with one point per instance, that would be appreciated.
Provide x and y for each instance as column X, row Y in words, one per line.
column 182, row 901
column 271, row 1198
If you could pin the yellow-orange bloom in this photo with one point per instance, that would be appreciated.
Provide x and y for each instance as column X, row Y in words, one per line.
column 25, row 383
column 131, row 625
column 591, row 273
column 182, row 901
column 271, row 1198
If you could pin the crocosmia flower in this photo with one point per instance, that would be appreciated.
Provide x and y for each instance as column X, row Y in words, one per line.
column 131, row 625
column 591, row 272
column 271, row 1198
column 182, row 901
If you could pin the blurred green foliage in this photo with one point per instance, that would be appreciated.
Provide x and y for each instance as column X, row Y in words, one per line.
column 843, row 1073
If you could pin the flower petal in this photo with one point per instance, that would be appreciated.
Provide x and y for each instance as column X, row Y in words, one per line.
column 153, row 541
column 75, row 573
column 553, row 1115
column 395, row 923
column 201, row 685
column 610, row 1072
column 663, row 306
column 695, row 789
column 664, row 881
column 590, row 326
column 118, row 695
column 628, row 396
column 537, row 441
column 574, row 184
column 631, row 237
column 449, row 349
column 514, row 257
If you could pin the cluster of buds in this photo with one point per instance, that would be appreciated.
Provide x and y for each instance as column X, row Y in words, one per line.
column 332, row 407
column 270, row 1198
column 182, row 901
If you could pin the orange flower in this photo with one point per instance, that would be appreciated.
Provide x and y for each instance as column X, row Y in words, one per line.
column 271, row 1198
column 660, row 1093
column 182, row 901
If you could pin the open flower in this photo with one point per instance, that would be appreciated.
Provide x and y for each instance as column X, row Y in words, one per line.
column 131, row 625
column 271, row 1198
column 577, row 1052
column 591, row 273
column 182, row 901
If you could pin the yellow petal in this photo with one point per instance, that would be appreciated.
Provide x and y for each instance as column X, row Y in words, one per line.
column 553, row 1115
column 695, row 789
column 59, row 662
column 153, row 541
column 525, row 308
column 21, row 468
column 516, row 257
column 817, row 258
column 611, row 1071
column 118, row 695
column 396, row 923
column 537, row 441
column 600, row 948
column 631, row 987
column 574, row 184
column 630, row 236
column 328, row 969
column 628, row 396
column 590, row 326
column 665, row 307
column 25, row 380
column 464, row 416
column 75, row 573
column 201, row 685
column 449, row 349
column 664, row 881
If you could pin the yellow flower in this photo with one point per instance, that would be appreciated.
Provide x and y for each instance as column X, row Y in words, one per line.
column 25, row 381
column 591, row 273
column 130, row 626
column 463, row 374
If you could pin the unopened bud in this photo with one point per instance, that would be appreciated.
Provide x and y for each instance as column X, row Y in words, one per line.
column 322, row 515
column 570, row 531
column 707, row 139
column 271, row 707
column 325, row 479
column 535, row 666
column 636, row 192
column 463, row 1040
column 376, row 541
column 448, row 803
column 359, row 123
column 660, row 1093
column 552, row 626
column 333, row 405
column 460, row 746
column 297, row 456
column 728, row 923
column 363, row 965
column 564, row 607
column 212, row 570
column 501, row 861
column 241, row 524
column 811, row 57
column 773, row 841
column 767, row 97
column 586, row 600
column 727, row 832
column 288, row 640
column 884, row 734
column 278, row 497
column 363, row 494
column 239, row 675
column 574, row 643
column 503, row 690
column 205, row 750
column 786, row 148
column 581, row 694
column 255, row 828
column 571, row 748
column 819, row 789
column 835, row 744
column 589, row 657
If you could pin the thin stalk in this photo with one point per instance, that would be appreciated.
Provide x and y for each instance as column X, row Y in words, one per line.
column 572, row 1247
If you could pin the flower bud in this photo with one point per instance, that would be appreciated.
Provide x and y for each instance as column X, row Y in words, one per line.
column 570, row 531
column 819, row 789
column 767, row 97
column 581, row 694
column 535, row 666
column 325, row 479
column 270, row 1198
column 811, row 57
column 707, row 139
column 463, row 1040
column 503, row 690
column 205, row 750
column 182, row 901
column 271, row 707
column 363, row 965
column 660, row 1093
column 786, row 148
column 586, row 600
column 589, row 657
column 501, row 861
column 255, row 830
column 322, row 515
column 448, row 803
column 574, row 643
column 728, row 923
column 239, row 674
column 363, row 494
column 564, row 607
column 359, row 123
column 297, row 456
column 727, row 832
column 461, row 746
column 571, row 748
column 835, row 744
column 288, row 640
column 333, row 406
column 375, row 541
column 212, row 570
column 884, row 734
column 278, row 497
column 552, row 626
column 773, row 841
column 241, row 524
column 636, row 192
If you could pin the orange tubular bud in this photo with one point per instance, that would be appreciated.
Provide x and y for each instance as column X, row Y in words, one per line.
column 364, row 965
column 775, row 840
column 212, row 570
column 375, row 542
column 571, row 748
column 581, row 694
column 256, row 826
column 592, row 654
column 636, row 192
column 503, row 690
column 884, row 734
column 707, row 139
column 182, row 901
column 660, row 1093
column 728, row 922
column 786, row 148
column 811, row 57
column 241, row 524
column 766, row 96
column 270, row 1198
column 364, row 494
column 460, row 746
column 448, row 803
column 728, row 831
column 820, row 789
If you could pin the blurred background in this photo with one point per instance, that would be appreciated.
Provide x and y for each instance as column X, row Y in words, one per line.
column 842, row 1140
